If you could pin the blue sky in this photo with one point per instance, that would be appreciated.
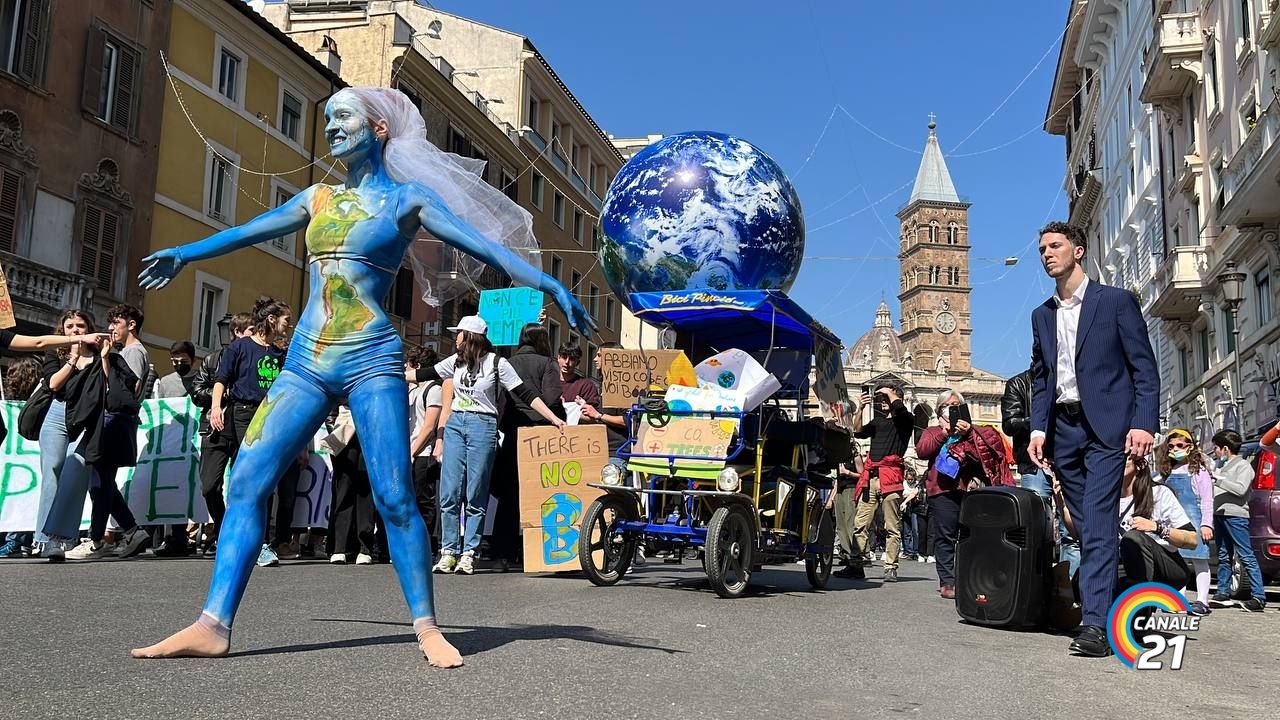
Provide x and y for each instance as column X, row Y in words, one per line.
column 772, row 73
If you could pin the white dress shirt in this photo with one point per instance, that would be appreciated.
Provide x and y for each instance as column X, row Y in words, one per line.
column 1068, row 325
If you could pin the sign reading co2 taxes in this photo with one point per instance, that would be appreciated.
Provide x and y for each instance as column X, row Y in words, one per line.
column 624, row 374
column 554, row 469
column 689, row 438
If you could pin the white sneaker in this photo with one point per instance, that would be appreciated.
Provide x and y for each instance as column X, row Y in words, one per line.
column 922, row 559
column 338, row 559
column 931, row 559
column 448, row 563
column 364, row 559
column 467, row 565
column 86, row 550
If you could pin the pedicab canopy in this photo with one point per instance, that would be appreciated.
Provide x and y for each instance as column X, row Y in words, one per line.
column 756, row 321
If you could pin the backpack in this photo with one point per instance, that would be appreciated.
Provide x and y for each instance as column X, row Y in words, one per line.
column 31, row 418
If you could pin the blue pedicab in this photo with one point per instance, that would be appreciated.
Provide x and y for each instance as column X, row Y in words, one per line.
column 760, row 497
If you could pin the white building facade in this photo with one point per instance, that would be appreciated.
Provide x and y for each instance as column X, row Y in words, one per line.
column 1165, row 106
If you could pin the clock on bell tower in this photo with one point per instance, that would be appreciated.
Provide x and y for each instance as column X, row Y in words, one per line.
column 934, row 260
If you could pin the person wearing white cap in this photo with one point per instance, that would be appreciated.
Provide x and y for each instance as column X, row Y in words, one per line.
column 470, row 439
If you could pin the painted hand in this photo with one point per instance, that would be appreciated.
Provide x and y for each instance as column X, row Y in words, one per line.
column 164, row 265
column 578, row 317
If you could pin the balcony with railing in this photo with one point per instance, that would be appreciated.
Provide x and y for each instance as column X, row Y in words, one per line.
column 39, row 294
column 1250, row 194
column 1173, row 61
column 1269, row 22
column 1181, row 280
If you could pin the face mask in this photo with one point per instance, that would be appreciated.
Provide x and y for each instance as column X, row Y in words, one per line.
column 1220, row 461
column 182, row 368
column 1178, row 455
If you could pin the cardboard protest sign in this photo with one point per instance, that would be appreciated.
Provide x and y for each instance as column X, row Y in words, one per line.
column 554, row 469
column 691, row 437
column 7, row 320
column 508, row 311
column 164, row 488
column 625, row 373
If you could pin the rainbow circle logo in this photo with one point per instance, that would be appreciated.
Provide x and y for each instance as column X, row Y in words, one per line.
column 1125, row 609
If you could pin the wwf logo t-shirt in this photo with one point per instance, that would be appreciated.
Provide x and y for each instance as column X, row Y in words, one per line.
column 248, row 369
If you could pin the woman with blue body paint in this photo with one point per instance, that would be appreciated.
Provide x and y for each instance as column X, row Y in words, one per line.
column 343, row 343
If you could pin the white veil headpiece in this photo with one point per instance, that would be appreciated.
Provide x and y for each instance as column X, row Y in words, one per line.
column 409, row 156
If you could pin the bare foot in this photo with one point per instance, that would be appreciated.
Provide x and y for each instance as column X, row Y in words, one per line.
column 437, row 650
column 204, row 638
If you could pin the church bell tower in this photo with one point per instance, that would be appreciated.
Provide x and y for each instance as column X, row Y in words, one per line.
column 934, row 262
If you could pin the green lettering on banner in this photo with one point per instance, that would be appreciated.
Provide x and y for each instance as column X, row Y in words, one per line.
column 7, row 487
column 155, row 487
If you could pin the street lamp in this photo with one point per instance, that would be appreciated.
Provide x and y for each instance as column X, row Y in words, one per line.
column 1231, row 281
column 224, row 330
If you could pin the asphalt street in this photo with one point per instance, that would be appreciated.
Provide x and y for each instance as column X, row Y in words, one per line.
column 314, row 640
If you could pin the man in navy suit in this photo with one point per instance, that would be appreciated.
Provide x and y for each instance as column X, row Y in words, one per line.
column 1094, row 400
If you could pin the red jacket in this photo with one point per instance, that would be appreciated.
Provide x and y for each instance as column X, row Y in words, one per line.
column 889, row 470
column 981, row 454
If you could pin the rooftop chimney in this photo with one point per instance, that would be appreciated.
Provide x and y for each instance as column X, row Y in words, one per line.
column 327, row 53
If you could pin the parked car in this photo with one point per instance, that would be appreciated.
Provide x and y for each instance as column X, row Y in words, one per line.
column 1264, row 520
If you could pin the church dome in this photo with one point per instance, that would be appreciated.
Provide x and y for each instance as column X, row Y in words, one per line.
column 879, row 348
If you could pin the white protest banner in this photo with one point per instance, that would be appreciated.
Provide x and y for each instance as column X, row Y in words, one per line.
column 163, row 489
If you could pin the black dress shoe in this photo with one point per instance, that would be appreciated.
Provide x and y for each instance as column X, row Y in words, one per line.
column 1092, row 641
column 852, row 572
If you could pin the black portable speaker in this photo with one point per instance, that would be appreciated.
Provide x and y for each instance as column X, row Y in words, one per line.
column 1004, row 558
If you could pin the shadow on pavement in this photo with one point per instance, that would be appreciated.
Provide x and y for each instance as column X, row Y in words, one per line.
column 470, row 640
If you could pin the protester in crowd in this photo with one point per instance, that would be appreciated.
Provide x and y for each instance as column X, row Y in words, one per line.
column 470, row 438
column 1154, row 527
column 173, row 540
column 962, row 457
column 178, row 383
column 614, row 420
column 1095, row 388
column 880, row 483
column 352, row 514
column 108, row 408
column 1015, row 414
column 20, row 380
column 245, row 373
column 912, row 499
column 844, row 503
column 1232, row 486
column 1184, row 470
column 425, row 403
column 216, row 446
column 532, row 361
column 64, row 478
column 569, row 357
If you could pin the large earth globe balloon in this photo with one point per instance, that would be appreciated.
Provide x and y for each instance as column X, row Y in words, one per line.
column 700, row 210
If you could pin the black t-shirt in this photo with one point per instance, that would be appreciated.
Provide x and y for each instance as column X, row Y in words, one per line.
column 617, row 436
column 6, row 338
column 248, row 369
column 889, row 435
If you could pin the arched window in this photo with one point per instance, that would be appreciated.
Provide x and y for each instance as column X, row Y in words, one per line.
column 933, row 231
column 955, row 276
column 953, row 234
column 933, row 275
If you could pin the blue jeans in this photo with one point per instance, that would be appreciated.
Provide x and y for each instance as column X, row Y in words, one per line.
column 1069, row 547
column 909, row 532
column 1232, row 534
column 63, row 477
column 470, row 443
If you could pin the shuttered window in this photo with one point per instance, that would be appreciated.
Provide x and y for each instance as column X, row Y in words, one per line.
column 98, row 242
column 10, row 205
column 112, row 79
column 24, row 38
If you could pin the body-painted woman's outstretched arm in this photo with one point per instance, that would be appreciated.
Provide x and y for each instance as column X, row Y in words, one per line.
column 288, row 218
column 438, row 220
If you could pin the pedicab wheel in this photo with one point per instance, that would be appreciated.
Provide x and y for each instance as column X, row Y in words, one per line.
column 818, row 566
column 604, row 554
column 727, row 558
